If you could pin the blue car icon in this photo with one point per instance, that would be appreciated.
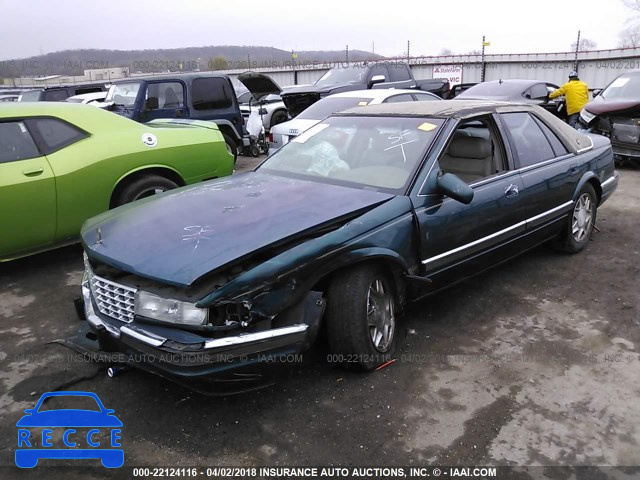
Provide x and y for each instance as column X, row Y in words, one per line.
column 33, row 445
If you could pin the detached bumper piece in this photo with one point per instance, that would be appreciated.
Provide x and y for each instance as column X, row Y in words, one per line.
column 214, row 366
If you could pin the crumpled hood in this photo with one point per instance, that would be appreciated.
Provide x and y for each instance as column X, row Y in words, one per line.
column 602, row 106
column 179, row 236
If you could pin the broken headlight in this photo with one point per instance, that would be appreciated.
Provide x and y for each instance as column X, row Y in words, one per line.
column 586, row 116
column 168, row 310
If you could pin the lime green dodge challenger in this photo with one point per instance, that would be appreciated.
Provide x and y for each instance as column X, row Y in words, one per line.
column 61, row 164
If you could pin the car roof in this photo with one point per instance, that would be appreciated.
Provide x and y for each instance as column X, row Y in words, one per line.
column 17, row 109
column 164, row 76
column 460, row 109
column 375, row 93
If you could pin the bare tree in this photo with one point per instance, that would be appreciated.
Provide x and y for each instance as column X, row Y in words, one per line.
column 585, row 45
column 630, row 36
column 445, row 51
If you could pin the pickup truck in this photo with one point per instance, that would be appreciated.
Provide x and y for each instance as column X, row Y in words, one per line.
column 184, row 96
column 359, row 77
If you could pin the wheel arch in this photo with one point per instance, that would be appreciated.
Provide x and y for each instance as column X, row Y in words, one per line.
column 161, row 170
column 592, row 179
column 391, row 262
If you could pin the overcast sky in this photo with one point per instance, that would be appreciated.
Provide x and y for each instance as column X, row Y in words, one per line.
column 31, row 27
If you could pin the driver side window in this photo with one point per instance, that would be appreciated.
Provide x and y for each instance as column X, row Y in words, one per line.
column 474, row 151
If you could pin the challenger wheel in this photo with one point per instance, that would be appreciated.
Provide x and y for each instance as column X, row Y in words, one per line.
column 361, row 318
column 144, row 187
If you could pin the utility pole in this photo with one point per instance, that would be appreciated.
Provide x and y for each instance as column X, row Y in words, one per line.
column 248, row 61
column 346, row 52
column 482, row 71
column 575, row 61
column 408, row 50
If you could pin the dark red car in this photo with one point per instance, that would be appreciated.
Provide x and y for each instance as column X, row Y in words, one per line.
column 615, row 113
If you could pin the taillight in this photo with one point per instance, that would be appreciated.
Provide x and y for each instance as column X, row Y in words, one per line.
column 270, row 137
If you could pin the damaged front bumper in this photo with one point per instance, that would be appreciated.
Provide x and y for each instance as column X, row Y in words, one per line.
column 241, row 359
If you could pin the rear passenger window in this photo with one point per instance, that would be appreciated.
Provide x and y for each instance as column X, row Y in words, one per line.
column 55, row 95
column 54, row 133
column 211, row 93
column 558, row 148
column 528, row 143
column 405, row 97
column 16, row 143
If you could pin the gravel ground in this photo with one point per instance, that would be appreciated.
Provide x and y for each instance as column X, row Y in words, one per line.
column 534, row 363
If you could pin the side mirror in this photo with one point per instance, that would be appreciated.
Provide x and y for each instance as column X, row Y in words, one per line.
column 454, row 187
column 376, row 79
column 151, row 103
column 596, row 92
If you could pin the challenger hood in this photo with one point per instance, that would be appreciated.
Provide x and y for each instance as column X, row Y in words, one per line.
column 179, row 236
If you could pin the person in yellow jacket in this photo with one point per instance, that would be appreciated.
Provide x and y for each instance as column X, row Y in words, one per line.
column 576, row 94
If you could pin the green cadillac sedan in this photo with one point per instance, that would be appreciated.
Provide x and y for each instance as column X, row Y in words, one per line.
column 61, row 164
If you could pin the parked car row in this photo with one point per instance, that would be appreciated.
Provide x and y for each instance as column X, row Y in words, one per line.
column 371, row 197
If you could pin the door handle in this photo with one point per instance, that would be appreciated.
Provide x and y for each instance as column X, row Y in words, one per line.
column 32, row 172
column 511, row 191
column 574, row 168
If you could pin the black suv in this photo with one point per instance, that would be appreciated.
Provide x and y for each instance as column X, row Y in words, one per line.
column 198, row 96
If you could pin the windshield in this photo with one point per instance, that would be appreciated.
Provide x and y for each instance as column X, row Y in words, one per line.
column 343, row 76
column 378, row 152
column 32, row 96
column 330, row 105
column 626, row 86
column 123, row 94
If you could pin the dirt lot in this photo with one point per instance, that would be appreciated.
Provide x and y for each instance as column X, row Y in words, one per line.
column 535, row 363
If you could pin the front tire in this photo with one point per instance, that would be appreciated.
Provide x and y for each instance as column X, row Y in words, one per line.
column 361, row 318
column 144, row 187
column 581, row 221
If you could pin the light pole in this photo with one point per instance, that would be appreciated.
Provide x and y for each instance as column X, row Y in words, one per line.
column 482, row 71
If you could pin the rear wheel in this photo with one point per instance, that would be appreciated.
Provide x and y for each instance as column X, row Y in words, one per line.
column 144, row 187
column 581, row 221
column 361, row 318
column 231, row 145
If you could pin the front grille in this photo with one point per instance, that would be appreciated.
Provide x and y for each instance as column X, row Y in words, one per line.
column 113, row 300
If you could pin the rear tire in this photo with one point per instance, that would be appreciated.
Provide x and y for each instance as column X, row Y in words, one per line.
column 231, row 145
column 144, row 187
column 361, row 318
column 581, row 221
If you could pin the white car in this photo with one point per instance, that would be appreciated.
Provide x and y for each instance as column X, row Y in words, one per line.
column 95, row 98
column 282, row 133
column 265, row 99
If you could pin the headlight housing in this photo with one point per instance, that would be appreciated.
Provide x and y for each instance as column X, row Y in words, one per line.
column 586, row 116
column 169, row 310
